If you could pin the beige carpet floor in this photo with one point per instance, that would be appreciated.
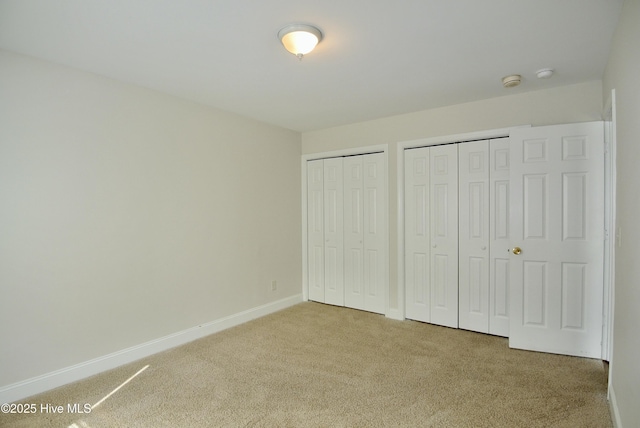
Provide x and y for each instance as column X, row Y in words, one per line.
column 315, row 365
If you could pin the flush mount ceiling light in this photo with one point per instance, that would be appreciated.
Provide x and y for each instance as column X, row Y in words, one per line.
column 299, row 39
column 511, row 81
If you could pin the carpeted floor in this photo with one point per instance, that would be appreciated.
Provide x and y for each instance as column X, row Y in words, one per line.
column 315, row 365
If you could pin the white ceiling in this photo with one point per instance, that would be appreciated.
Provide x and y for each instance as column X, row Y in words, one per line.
column 378, row 57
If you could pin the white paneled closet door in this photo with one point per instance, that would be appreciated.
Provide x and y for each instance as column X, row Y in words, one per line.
column 484, row 236
column 354, row 232
column 500, row 234
column 444, row 234
column 347, row 212
column 365, row 268
column 333, row 232
column 431, row 234
column 376, row 215
column 315, row 229
column 474, row 235
column 416, row 230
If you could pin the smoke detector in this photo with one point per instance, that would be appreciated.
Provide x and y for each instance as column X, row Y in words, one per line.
column 511, row 81
column 544, row 73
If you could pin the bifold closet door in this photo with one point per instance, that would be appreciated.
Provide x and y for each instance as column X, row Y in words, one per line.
column 500, row 235
column 431, row 234
column 333, row 232
column 444, row 235
column 315, row 229
column 484, row 236
column 347, row 259
column 474, row 235
column 365, row 267
column 325, row 231
column 416, row 240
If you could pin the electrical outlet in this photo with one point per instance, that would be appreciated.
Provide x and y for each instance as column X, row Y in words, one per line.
column 274, row 285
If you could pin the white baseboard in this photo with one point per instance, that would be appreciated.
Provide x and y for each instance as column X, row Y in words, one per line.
column 613, row 407
column 36, row 385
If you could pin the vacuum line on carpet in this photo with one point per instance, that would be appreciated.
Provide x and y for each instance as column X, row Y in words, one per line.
column 123, row 384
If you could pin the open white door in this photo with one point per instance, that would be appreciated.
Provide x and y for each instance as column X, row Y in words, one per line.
column 557, row 219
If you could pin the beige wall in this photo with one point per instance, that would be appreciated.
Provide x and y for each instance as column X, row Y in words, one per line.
column 568, row 104
column 127, row 215
column 622, row 73
column 576, row 103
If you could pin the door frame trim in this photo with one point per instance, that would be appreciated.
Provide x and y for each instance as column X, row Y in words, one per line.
column 425, row 142
column 612, row 234
column 380, row 148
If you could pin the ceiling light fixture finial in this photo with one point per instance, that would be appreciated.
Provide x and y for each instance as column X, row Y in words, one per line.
column 299, row 39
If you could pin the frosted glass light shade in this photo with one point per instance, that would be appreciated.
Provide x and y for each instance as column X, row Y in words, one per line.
column 299, row 39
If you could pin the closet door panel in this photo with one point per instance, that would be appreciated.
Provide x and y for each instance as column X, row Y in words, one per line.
column 375, row 242
column 353, row 232
column 333, row 232
column 500, row 237
column 474, row 235
column 443, row 186
column 417, row 243
column 315, row 229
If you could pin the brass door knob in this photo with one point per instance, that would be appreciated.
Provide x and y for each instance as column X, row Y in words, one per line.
column 516, row 250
